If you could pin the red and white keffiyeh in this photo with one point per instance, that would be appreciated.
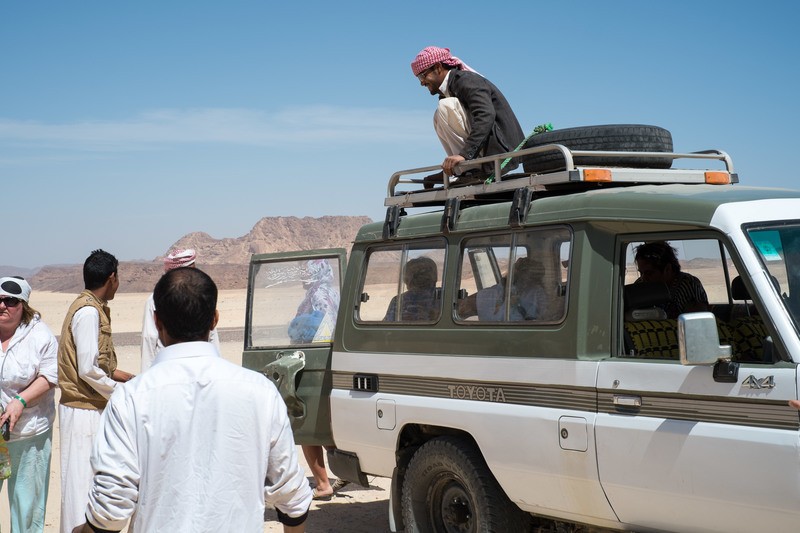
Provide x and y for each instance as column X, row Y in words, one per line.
column 431, row 55
column 179, row 258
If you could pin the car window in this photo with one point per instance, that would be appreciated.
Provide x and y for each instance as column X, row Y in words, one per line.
column 403, row 284
column 294, row 302
column 778, row 247
column 664, row 278
column 518, row 277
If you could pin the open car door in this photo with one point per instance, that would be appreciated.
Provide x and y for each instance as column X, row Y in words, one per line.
column 292, row 307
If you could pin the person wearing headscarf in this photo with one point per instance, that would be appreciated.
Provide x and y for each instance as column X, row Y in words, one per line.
column 473, row 119
column 151, row 344
column 314, row 322
column 317, row 312
column 28, row 378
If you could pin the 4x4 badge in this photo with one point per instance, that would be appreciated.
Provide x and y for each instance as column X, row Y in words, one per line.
column 751, row 382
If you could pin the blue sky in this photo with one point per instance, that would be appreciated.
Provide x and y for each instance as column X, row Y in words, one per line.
column 127, row 125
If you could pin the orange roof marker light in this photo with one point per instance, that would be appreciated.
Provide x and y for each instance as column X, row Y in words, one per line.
column 717, row 178
column 597, row 175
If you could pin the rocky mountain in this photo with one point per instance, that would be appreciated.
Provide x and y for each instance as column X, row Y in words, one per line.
column 226, row 260
column 26, row 273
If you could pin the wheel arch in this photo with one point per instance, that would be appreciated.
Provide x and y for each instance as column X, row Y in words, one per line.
column 409, row 439
column 412, row 436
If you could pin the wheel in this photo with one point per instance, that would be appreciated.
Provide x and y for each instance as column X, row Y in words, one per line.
column 449, row 489
column 613, row 137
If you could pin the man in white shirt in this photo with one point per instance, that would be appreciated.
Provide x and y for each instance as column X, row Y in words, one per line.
column 87, row 375
column 151, row 344
column 196, row 443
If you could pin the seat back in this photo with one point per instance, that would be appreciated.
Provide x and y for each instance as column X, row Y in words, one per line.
column 747, row 327
column 657, row 339
column 648, row 332
column 645, row 301
column 748, row 338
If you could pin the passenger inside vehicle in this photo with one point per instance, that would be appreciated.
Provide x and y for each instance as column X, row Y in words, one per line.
column 657, row 261
column 527, row 294
column 419, row 302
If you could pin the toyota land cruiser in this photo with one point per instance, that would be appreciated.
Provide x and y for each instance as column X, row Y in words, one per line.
column 529, row 379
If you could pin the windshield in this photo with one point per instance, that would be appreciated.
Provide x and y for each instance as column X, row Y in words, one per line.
column 779, row 248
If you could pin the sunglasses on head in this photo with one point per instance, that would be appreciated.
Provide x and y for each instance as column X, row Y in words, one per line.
column 9, row 302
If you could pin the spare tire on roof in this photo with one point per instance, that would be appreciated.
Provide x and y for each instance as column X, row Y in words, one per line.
column 608, row 138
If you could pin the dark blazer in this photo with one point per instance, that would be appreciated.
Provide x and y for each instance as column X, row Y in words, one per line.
column 493, row 127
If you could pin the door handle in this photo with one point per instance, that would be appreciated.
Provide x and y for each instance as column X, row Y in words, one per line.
column 630, row 402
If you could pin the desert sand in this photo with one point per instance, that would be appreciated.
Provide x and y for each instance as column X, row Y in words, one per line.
column 354, row 509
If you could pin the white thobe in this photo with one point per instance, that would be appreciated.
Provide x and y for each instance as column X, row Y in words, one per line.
column 187, row 447
column 77, row 427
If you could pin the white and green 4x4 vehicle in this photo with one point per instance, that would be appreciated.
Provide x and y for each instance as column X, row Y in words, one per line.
column 587, row 411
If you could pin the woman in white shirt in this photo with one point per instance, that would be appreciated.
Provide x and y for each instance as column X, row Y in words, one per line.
column 28, row 378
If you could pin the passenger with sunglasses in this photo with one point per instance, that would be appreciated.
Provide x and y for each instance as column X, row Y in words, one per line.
column 473, row 119
column 28, row 378
column 658, row 262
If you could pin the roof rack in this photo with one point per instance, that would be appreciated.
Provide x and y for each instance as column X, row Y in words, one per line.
column 568, row 177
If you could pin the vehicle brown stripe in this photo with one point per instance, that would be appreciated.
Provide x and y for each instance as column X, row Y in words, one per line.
column 695, row 408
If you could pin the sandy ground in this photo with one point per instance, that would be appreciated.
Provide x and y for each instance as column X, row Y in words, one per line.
column 354, row 509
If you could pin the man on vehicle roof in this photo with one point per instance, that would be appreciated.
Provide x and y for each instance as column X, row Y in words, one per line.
column 473, row 118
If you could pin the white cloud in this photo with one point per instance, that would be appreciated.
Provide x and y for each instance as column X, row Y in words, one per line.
column 300, row 125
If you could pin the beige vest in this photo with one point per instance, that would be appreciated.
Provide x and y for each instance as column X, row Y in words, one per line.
column 74, row 391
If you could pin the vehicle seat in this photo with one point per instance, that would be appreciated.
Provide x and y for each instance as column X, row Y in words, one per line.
column 747, row 326
column 648, row 331
column 739, row 293
column 645, row 301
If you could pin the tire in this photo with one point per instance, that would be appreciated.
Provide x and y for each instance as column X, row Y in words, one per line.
column 449, row 489
column 613, row 137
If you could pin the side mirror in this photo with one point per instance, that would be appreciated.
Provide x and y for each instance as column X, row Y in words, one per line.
column 698, row 340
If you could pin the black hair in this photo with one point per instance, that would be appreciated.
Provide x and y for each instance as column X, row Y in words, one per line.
column 97, row 268
column 659, row 254
column 186, row 301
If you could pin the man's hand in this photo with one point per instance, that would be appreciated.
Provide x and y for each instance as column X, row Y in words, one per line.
column 450, row 163
column 795, row 403
column 122, row 376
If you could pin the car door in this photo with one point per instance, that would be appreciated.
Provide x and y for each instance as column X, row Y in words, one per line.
column 698, row 448
column 292, row 309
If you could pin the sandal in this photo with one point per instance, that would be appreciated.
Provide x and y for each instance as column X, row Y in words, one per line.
column 339, row 484
column 320, row 497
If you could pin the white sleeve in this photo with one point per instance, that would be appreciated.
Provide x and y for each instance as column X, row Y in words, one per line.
column 48, row 353
column 86, row 332
column 149, row 335
column 286, row 488
column 115, row 483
